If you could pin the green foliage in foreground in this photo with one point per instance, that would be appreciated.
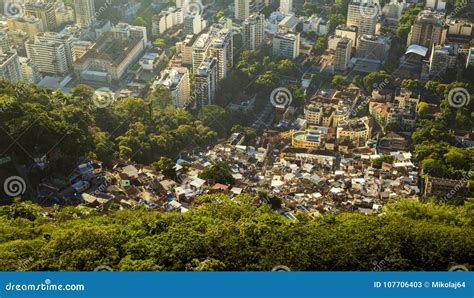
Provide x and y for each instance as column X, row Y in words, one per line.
column 235, row 235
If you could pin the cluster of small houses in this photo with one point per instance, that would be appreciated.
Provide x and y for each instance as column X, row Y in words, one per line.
column 311, row 186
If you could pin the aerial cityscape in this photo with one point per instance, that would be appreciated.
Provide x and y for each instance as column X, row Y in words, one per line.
column 236, row 135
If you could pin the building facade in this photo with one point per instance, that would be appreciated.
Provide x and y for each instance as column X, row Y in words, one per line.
column 286, row 45
column 205, row 82
column 10, row 67
column 343, row 54
column 85, row 12
column 253, row 31
column 363, row 16
column 45, row 12
column 428, row 29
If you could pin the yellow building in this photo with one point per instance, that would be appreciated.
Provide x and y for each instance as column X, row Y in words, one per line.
column 309, row 139
column 355, row 129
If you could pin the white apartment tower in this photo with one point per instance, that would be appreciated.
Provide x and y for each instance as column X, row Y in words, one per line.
column 253, row 31
column 50, row 56
column 4, row 42
column 222, row 50
column 286, row 6
column 176, row 80
column 85, row 12
column 10, row 67
column 364, row 16
column 200, row 50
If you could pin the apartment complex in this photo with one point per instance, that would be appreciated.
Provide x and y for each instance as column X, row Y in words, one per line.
column 166, row 20
column 222, row 50
column 205, row 82
column 176, row 80
column 51, row 52
column 428, row 29
column 350, row 32
column 85, row 12
column 253, row 31
column 244, row 8
column 10, row 67
column 375, row 47
column 364, row 16
column 29, row 70
column 194, row 24
column 286, row 6
column 443, row 58
column 45, row 12
column 343, row 54
column 286, row 45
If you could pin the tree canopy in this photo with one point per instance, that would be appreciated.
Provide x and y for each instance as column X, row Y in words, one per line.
column 233, row 235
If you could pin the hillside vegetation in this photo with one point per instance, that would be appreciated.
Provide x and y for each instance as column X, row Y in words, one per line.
column 225, row 234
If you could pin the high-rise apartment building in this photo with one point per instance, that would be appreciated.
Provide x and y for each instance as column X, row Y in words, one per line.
column 443, row 58
column 428, row 29
column 29, row 70
column 364, row 16
column 286, row 45
column 343, row 54
column 205, row 82
column 200, row 50
column 253, row 31
column 470, row 58
column 436, row 4
column 184, row 49
column 244, row 8
column 350, row 32
column 374, row 47
column 4, row 42
column 166, row 20
column 45, row 12
column 85, row 12
column 176, row 80
column 50, row 55
column 222, row 50
column 10, row 67
column 286, row 6
column 194, row 24
column 66, row 40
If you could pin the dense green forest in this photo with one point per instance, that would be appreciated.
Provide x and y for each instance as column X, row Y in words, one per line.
column 35, row 121
column 224, row 234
